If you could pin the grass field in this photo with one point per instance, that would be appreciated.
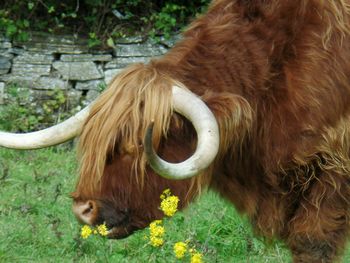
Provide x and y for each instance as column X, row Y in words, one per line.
column 36, row 223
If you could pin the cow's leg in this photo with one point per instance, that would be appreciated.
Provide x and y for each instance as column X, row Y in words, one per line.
column 319, row 228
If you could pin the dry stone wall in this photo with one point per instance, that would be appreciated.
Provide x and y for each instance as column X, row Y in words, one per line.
column 62, row 62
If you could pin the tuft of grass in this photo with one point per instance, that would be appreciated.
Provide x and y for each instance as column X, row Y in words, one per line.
column 37, row 225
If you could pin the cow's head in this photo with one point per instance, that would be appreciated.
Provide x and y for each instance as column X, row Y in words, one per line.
column 119, row 183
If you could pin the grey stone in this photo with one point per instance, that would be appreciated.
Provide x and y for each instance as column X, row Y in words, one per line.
column 34, row 58
column 17, row 79
column 129, row 40
column 54, row 44
column 122, row 62
column 17, row 51
column 51, row 48
column 39, row 97
column 6, row 53
column 110, row 74
column 3, row 71
column 139, row 50
column 5, row 65
column 5, row 43
column 78, row 70
column 91, row 95
column 38, row 82
column 2, row 93
column 89, row 85
column 170, row 42
column 25, row 70
column 74, row 97
column 86, row 57
column 50, row 83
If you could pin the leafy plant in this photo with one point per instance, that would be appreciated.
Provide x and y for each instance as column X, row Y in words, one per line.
column 166, row 20
column 19, row 114
column 98, row 20
column 14, row 28
column 93, row 40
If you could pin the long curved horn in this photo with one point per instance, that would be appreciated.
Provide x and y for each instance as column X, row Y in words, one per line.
column 59, row 133
column 204, row 122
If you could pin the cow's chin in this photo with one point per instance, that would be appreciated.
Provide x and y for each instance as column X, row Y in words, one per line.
column 117, row 221
column 119, row 232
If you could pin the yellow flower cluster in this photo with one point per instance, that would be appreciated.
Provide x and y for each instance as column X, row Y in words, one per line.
column 102, row 230
column 180, row 249
column 165, row 194
column 169, row 207
column 169, row 203
column 196, row 258
column 86, row 231
column 156, row 233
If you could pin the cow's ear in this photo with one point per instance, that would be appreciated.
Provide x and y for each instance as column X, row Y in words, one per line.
column 233, row 114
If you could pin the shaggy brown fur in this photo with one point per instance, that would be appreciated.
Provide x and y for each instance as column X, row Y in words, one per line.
column 276, row 74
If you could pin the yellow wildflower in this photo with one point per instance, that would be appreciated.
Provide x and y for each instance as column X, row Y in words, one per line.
column 165, row 194
column 196, row 258
column 180, row 249
column 156, row 229
column 85, row 231
column 102, row 230
column 169, row 205
column 156, row 233
column 156, row 241
column 156, row 222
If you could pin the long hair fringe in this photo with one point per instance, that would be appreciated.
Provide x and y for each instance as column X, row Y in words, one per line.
column 119, row 119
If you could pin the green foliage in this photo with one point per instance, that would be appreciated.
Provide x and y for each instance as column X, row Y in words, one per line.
column 14, row 28
column 93, row 40
column 101, row 87
column 166, row 20
column 98, row 20
column 174, row 15
column 21, row 115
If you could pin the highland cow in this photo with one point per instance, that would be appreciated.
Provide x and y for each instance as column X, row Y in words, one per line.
column 276, row 76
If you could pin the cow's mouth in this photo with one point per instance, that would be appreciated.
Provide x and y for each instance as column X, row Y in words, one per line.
column 119, row 232
column 117, row 221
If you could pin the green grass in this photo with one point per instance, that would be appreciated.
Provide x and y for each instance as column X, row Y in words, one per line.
column 36, row 223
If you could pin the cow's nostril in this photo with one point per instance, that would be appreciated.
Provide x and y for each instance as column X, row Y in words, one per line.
column 85, row 212
column 89, row 209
